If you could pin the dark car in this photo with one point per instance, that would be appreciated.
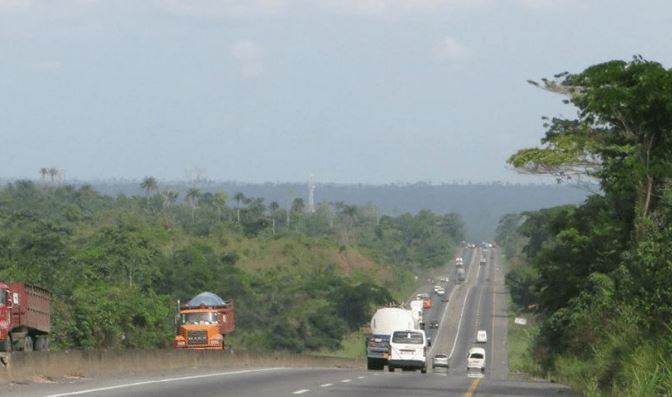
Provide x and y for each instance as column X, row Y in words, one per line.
column 434, row 324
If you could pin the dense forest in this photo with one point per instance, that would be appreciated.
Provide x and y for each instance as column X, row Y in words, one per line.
column 598, row 276
column 481, row 205
column 301, row 280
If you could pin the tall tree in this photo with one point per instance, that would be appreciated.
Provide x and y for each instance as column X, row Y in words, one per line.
column 53, row 174
column 193, row 195
column 219, row 200
column 149, row 185
column 44, row 172
column 621, row 136
column 238, row 197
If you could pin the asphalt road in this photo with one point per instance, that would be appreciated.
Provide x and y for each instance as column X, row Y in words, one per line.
column 478, row 303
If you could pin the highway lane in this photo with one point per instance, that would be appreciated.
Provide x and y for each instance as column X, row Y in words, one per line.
column 475, row 304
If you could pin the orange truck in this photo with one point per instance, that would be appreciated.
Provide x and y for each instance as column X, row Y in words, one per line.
column 203, row 322
column 427, row 303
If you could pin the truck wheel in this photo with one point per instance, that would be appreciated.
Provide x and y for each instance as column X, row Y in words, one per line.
column 369, row 364
column 42, row 343
column 27, row 344
column 423, row 370
column 390, row 369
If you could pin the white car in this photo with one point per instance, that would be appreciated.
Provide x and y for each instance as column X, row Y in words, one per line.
column 440, row 360
column 481, row 336
column 476, row 359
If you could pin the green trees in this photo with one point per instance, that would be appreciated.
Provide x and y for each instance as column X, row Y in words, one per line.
column 116, row 269
column 600, row 273
column 149, row 185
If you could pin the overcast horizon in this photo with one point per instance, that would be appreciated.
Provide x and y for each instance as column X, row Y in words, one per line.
column 348, row 91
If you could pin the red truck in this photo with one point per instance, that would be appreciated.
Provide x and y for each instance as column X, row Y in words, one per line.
column 204, row 322
column 24, row 317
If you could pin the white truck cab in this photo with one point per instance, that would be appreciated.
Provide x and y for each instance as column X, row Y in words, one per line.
column 408, row 351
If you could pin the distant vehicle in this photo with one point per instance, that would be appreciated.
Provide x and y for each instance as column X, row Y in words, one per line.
column 437, row 288
column 476, row 359
column 25, row 321
column 459, row 261
column 408, row 351
column 417, row 312
column 383, row 324
column 434, row 324
column 482, row 336
column 461, row 275
column 440, row 360
column 427, row 303
column 441, row 292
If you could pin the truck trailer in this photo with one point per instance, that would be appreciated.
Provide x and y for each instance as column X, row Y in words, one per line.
column 383, row 323
column 203, row 323
column 24, row 317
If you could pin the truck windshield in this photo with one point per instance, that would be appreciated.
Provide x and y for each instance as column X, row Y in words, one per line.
column 413, row 338
column 199, row 318
column 3, row 296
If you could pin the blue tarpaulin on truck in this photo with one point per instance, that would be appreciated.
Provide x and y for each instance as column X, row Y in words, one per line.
column 206, row 299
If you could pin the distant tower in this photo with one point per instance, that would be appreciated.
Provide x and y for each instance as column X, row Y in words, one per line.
column 311, row 195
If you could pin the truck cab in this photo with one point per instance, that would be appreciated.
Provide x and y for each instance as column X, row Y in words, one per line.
column 203, row 322
column 408, row 350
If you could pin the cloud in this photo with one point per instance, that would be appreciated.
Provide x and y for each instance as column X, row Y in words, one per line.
column 450, row 49
column 266, row 8
column 249, row 57
column 394, row 8
column 548, row 5
column 225, row 8
column 47, row 66
column 48, row 9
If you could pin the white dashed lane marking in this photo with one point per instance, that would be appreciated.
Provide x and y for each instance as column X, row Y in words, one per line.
column 301, row 391
column 327, row 385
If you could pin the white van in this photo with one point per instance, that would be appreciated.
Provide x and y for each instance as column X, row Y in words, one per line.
column 408, row 351
column 476, row 359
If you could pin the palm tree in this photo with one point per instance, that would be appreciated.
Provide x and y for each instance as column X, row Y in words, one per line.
column 193, row 195
column 149, row 185
column 273, row 207
column 53, row 173
column 219, row 199
column 238, row 197
column 44, row 172
column 169, row 198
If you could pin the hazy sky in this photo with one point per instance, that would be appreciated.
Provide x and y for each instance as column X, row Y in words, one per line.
column 371, row 91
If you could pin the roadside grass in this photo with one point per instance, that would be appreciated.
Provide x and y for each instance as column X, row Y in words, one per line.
column 352, row 347
column 519, row 343
column 520, row 339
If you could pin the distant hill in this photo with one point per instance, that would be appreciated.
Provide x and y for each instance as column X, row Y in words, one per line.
column 481, row 205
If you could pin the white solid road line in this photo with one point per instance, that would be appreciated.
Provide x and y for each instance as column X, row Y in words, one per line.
column 149, row 382
column 301, row 391
column 459, row 324
column 445, row 310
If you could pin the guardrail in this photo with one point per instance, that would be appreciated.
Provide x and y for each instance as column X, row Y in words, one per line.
column 20, row 366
